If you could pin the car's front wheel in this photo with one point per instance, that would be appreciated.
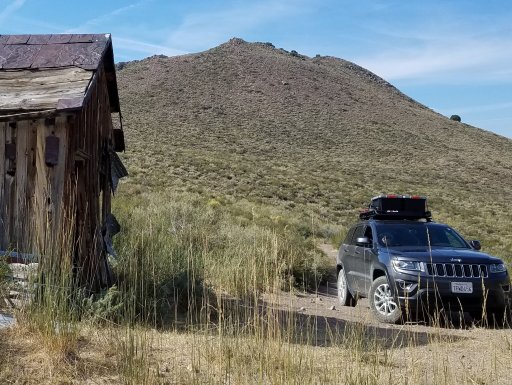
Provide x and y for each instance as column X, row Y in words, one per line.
column 344, row 295
column 383, row 302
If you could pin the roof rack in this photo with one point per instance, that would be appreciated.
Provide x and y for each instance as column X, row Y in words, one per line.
column 388, row 206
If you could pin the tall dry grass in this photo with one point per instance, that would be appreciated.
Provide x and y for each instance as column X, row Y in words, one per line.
column 205, row 295
column 173, row 253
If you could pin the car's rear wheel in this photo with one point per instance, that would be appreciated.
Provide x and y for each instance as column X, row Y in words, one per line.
column 344, row 295
column 383, row 301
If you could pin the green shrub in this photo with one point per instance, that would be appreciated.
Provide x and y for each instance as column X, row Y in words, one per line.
column 107, row 305
column 4, row 274
column 4, row 271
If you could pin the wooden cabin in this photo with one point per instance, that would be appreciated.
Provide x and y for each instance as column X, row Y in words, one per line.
column 58, row 144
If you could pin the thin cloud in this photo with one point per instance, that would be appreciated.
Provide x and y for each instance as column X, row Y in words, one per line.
column 432, row 45
column 131, row 45
column 103, row 19
column 455, row 60
column 206, row 29
column 11, row 8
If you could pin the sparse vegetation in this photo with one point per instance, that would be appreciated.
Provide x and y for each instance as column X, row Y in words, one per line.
column 173, row 251
column 307, row 149
column 234, row 183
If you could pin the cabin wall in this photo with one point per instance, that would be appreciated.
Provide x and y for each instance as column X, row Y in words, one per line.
column 31, row 191
column 91, row 138
column 59, row 209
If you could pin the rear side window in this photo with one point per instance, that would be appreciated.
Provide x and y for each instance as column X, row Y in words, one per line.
column 359, row 231
column 348, row 238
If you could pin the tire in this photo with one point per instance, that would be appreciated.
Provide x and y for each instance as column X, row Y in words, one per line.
column 344, row 296
column 383, row 302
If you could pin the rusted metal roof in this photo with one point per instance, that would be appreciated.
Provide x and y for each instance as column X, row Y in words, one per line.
column 37, row 54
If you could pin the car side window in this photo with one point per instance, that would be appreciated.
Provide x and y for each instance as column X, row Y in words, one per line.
column 348, row 238
column 368, row 234
column 359, row 231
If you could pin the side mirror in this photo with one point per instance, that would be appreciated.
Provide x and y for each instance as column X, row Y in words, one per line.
column 475, row 245
column 363, row 241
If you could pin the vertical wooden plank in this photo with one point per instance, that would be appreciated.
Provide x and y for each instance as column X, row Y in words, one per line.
column 69, row 185
column 92, row 179
column 83, row 207
column 9, row 194
column 107, row 128
column 3, row 129
column 59, row 174
column 98, row 271
column 10, row 189
column 30, row 224
column 21, row 219
column 42, row 201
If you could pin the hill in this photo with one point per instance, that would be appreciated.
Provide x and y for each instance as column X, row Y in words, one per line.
column 311, row 136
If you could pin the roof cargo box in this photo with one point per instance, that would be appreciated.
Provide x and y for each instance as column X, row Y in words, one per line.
column 397, row 207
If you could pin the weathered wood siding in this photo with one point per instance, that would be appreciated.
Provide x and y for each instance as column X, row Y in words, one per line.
column 41, row 90
column 91, row 138
column 42, row 205
column 30, row 198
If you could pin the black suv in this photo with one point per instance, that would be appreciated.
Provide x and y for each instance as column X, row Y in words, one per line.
column 409, row 266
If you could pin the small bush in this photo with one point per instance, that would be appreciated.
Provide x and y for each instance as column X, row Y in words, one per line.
column 455, row 118
column 4, row 274
column 4, row 271
column 296, row 54
column 121, row 65
column 104, row 306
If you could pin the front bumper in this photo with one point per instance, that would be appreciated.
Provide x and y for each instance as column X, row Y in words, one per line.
column 431, row 293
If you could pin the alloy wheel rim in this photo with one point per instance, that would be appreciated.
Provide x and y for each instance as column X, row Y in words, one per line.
column 384, row 301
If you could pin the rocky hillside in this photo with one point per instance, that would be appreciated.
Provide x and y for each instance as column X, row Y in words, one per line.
column 313, row 135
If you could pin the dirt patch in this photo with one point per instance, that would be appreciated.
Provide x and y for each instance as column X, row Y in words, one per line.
column 322, row 309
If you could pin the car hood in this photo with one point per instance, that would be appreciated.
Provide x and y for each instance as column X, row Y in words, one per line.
column 438, row 255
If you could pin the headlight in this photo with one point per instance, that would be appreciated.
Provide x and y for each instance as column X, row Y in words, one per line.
column 407, row 265
column 498, row 268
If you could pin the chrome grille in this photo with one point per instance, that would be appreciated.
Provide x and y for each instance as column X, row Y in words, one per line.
column 458, row 270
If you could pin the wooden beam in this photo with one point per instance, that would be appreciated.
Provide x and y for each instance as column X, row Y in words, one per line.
column 3, row 203
column 41, row 196
column 59, row 172
column 9, row 188
column 20, row 208
column 16, row 117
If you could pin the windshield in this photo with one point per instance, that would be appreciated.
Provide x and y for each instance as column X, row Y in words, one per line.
column 419, row 234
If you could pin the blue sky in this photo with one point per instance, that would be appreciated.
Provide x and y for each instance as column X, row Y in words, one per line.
column 455, row 56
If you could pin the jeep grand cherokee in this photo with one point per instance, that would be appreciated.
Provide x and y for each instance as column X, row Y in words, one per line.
column 408, row 266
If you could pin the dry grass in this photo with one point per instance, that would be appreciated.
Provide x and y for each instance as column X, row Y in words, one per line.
column 255, row 335
column 280, row 349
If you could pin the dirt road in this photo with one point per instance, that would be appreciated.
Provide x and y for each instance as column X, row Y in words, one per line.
column 323, row 309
